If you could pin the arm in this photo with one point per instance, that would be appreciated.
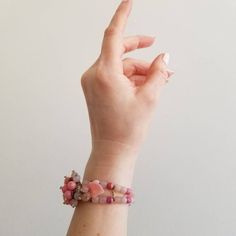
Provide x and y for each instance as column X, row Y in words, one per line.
column 121, row 96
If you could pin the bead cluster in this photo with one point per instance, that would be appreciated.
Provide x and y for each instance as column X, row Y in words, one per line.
column 94, row 191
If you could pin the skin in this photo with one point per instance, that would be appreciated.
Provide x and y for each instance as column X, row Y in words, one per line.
column 121, row 96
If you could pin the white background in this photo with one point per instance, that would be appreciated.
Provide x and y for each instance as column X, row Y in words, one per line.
column 185, row 177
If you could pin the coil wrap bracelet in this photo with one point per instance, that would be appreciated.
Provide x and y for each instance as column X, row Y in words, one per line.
column 94, row 191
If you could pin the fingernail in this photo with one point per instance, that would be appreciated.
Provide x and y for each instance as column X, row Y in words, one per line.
column 166, row 58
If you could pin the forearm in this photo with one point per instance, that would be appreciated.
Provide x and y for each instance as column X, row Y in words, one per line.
column 115, row 165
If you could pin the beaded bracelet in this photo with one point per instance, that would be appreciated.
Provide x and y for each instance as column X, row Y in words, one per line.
column 94, row 191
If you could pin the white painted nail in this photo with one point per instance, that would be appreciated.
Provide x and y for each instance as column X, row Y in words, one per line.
column 166, row 58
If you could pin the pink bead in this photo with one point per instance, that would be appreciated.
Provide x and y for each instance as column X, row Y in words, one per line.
column 95, row 189
column 68, row 195
column 110, row 186
column 71, row 185
column 64, row 188
column 109, row 200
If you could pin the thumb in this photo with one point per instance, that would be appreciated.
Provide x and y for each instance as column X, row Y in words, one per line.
column 157, row 76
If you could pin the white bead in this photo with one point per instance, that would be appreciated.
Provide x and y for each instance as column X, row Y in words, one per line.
column 76, row 178
column 117, row 188
column 124, row 200
column 123, row 190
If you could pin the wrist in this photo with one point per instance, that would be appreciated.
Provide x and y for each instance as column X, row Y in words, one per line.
column 111, row 161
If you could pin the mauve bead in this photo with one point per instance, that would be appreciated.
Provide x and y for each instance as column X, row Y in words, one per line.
column 109, row 200
column 110, row 186
column 71, row 185
column 68, row 195
column 128, row 191
column 129, row 200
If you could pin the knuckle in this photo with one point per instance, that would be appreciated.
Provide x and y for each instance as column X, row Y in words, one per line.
column 83, row 80
column 110, row 31
column 149, row 98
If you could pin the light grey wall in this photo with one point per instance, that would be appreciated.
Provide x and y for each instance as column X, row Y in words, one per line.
column 186, row 174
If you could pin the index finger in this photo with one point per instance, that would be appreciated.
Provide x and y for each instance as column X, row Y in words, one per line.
column 112, row 46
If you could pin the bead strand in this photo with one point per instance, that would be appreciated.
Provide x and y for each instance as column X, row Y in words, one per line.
column 114, row 187
column 93, row 191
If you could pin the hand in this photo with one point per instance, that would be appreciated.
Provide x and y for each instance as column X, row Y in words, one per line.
column 121, row 94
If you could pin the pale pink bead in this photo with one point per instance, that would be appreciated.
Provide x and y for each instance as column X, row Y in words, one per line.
column 85, row 188
column 128, row 191
column 118, row 199
column 85, row 197
column 95, row 199
column 124, row 200
column 102, row 199
column 103, row 183
column 68, row 195
column 77, row 196
column 73, row 203
column 117, row 188
column 123, row 190
column 71, row 185
column 96, row 181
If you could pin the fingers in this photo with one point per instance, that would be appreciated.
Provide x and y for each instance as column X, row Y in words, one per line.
column 134, row 42
column 157, row 76
column 112, row 46
column 120, row 17
column 135, row 67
